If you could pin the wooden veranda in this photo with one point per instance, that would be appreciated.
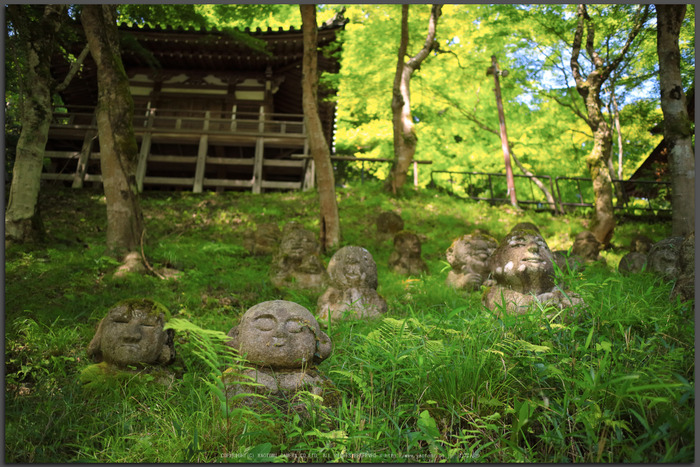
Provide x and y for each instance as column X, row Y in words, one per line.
column 211, row 112
column 195, row 150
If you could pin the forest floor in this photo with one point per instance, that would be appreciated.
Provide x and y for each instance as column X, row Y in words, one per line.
column 438, row 378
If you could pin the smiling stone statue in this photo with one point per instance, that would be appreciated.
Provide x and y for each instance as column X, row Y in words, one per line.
column 131, row 338
column 297, row 263
column 469, row 257
column 524, row 274
column 132, row 334
column 284, row 343
column 353, row 289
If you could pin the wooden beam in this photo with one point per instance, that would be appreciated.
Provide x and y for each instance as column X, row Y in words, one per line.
column 228, row 183
column 83, row 159
column 169, row 181
column 281, row 185
column 230, row 161
column 258, row 166
column 201, row 157
column 144, row 151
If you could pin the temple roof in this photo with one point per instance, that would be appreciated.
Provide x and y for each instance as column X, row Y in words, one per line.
column 193, row 49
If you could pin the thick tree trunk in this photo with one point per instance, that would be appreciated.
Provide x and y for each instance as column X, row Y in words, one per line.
column 405, row 139
column 22, row 219
column 325, row 180
column 598, row 161
column 118, row 148
column 677, row 125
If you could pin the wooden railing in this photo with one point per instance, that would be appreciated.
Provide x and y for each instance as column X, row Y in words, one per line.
column 157, row 120
column 225, row 128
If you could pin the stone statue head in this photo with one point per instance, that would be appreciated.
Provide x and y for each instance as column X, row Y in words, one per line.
column 525, row 226
column 353, row 267
column 632, row 262
column 586, row 246
column 266, row 238
column 280, row 334
column 297, row 242
column 664, row 257
column 407, row 244
column 389, row 222
column 641, row 243
column 132, row 334
column 523, row 263
column 470, row 253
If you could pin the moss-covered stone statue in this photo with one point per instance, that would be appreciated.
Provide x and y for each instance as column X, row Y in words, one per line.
column 524, row 274
column 664, row 257
column 388, row 223
column 685, row 284
column 406, row 257
column 264, row 240
column 352, row 293
column 284, row 343
column 131, row 338
column 469, row 257
column 297, row 263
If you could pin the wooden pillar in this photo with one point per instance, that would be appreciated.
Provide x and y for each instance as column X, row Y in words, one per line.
column 201, row 156
column 234, row 124
column 415, row 173
column 83, row 159
column 261, row 120
column 309, row 169
column 145, row 150
column 258, row 165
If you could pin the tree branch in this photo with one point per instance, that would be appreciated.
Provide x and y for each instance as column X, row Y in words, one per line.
column 576, row 48
column 642, row 17
column 73, row 69
column 416, row 60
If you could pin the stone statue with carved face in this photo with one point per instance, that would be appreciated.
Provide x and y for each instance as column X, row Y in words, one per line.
column 664, row 257
column 406, row 257
column 523, row 271
column 129, row 340
column 283, row 342
column 469, row 257
column 353, row 287
column 132, row 334
column 297, row 263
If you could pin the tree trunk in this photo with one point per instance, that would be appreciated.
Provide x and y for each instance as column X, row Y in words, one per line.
column 405, row 139
column 603, row 222
column 677, row 126
column 22, row 219
column 118, row 148
column 325, row 180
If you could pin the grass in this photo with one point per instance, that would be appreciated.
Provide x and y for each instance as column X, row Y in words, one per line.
column 439, row 378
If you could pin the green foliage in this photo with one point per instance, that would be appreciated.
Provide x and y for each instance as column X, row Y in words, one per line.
column 439, row 378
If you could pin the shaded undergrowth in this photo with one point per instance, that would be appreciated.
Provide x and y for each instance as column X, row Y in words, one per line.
column 439, row 378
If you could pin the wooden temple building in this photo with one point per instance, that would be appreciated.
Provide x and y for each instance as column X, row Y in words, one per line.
column 210, row 112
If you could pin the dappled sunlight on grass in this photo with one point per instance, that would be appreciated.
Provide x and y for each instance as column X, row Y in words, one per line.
column 437, row 378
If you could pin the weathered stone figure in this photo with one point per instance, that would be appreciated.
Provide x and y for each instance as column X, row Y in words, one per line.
column 406, row 257
column 469, row 257
column 522, row 268
column 587, row 247
column 685, row 285
column 525, row 226
column 389, row 224
column 297, row 263
column 641, row 243
column 632, row 262
column 663, row 258
column 132, row 334
column 353, row 287
column 265, row 240
column 283, row 342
